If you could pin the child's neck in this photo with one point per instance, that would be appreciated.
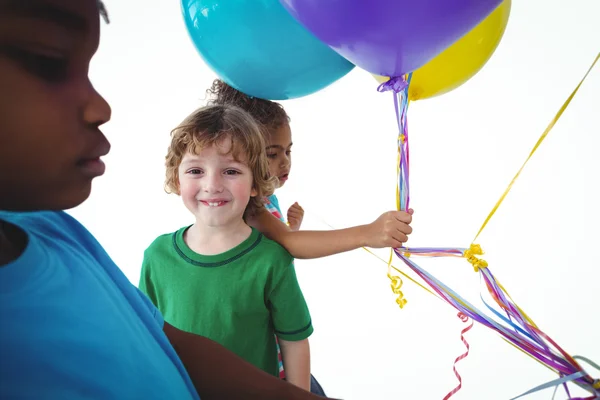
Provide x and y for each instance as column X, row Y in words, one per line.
column 208, row 240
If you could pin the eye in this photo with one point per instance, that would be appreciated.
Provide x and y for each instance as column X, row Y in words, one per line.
column 272, row 156
column 232, row 172
column 51, row 68
column 194, row 171
column 288, row 152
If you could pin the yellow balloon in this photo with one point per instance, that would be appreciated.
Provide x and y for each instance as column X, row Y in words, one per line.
column 461, row 61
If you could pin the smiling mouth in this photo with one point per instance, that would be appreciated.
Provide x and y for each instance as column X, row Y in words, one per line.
column 217, row 203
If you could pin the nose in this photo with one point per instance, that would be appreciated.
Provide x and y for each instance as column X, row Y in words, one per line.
column 213, row 183
column 286, row 161
column 97, row 110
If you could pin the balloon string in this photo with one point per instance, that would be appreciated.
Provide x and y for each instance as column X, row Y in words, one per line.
column 529, row 339
column 537, row 145
column 400, row 86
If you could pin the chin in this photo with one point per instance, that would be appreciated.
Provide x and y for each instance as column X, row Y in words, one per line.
column 72, row 198
column 64, row 199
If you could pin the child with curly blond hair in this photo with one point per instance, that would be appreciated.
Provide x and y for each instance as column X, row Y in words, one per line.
column 219, row 277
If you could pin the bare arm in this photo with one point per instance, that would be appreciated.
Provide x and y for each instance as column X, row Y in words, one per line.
column 389, row 230
column 217, row 373
column 296, row 362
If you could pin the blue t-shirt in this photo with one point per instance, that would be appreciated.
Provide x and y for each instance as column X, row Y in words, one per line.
column 275, row 201
column 272, row 205
column 73, row 327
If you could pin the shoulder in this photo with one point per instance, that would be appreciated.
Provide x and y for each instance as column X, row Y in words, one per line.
column 163, row 242
column 49, row 222
column 272, row 250
column 55, row 227
column 57, row 242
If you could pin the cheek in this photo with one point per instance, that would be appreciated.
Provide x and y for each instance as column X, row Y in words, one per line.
column 188, row 189
column 51, row 112
column 273, row 166
column 243, row 188
column 40, row 123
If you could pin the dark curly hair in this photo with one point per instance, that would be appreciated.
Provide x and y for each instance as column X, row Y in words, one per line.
column 269, row 114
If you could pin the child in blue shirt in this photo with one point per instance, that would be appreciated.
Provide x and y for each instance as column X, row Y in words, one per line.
column 71, row 325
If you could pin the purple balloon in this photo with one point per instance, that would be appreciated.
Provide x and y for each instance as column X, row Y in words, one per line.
column 389, row 37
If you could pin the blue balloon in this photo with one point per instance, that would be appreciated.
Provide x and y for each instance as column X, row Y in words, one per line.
column 258, row 48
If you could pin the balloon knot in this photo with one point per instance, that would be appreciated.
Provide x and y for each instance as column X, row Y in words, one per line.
column 396, row 83
column 471, row 253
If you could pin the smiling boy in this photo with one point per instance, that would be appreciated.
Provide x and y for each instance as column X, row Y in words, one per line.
column 219, row 277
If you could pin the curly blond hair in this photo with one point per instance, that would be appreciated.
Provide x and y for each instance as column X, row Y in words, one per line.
column 208, row 126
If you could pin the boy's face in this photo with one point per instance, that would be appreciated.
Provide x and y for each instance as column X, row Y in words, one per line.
column 50, row 113
column 214, row 186
column 279, row 153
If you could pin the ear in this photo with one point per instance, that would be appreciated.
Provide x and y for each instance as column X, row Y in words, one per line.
column 177, row 182
column 254, row 192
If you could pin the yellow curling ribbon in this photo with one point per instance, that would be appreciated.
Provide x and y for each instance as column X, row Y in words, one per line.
column 396, row 283
column 396, row 286
column 390, row 267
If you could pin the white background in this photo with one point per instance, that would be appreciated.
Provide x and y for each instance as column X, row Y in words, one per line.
column 465, row 148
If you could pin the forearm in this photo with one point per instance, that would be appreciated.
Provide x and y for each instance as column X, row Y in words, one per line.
column 217, row 373
column 296, row 362
column 316, row 244
column 309, row 244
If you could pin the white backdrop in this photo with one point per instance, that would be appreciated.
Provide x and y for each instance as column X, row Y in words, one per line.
column 465, row 147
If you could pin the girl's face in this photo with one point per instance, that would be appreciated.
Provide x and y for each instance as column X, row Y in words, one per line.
column 279, row 153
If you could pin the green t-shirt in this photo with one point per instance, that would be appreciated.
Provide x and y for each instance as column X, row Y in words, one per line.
column 240, row 298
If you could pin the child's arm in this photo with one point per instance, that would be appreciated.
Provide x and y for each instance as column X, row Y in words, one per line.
column 389, row 230
column 218, row 373
column 296, row 362
column 291, row 321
